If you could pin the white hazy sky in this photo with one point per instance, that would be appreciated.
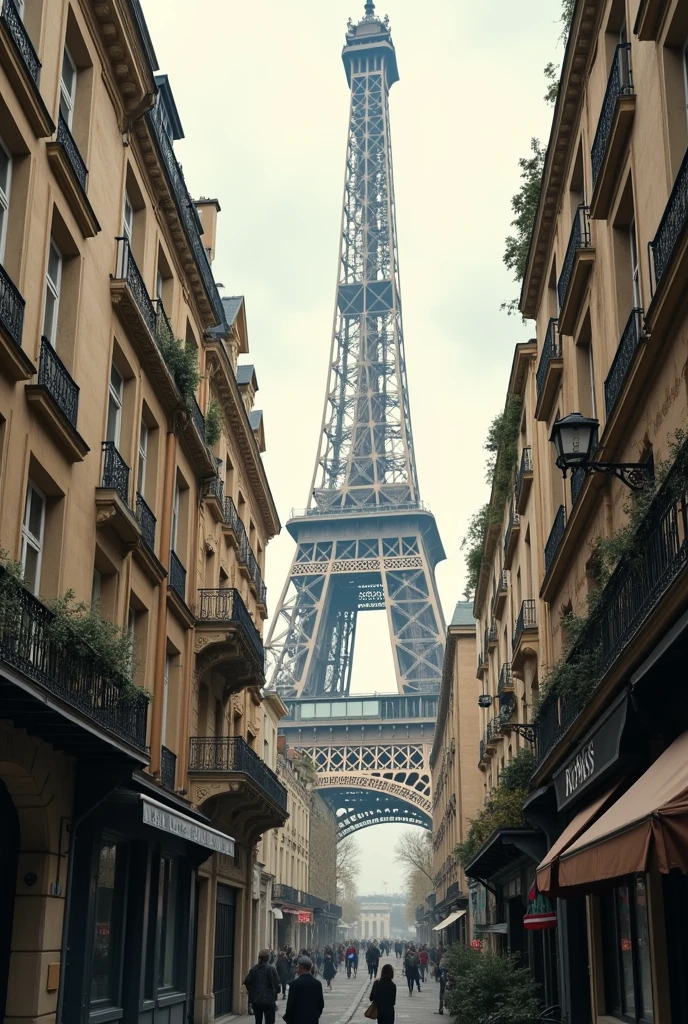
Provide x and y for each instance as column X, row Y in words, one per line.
column 263, row 99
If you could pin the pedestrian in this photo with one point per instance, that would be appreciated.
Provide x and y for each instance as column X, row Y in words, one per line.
column 384, row 995
column 329, row 969
column 411, row 965
column 442, row 975
column 350, row 957
column 263, row 986
column 305, row 1002
column 282, row 968
column 373, row 960
column 423, row 957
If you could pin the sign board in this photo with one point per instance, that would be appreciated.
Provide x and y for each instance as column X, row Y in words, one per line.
column 305, row 917
column 167, row 820
column 598, row 751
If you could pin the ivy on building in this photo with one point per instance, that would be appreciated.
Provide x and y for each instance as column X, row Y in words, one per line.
column 504, row 809
column 182, row 362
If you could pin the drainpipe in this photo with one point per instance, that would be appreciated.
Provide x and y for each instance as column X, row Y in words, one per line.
column 161, row 631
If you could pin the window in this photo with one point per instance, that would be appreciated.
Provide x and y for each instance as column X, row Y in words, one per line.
column 96, row 587
column 165, row 697
column 53, row 280
column 168, row 902
column 33, row 530
column 128, row 218
column 635, row 264
column 5, row 181
column 174, row 532
column 626, row 945
column 158, row 284
column 114, row 417
column 143, row 452
column 106, row 940
column 67, row 87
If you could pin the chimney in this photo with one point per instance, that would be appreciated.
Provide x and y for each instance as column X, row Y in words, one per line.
column 208, row 210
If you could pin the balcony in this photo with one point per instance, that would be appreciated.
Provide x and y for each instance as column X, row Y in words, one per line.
column 177, row 578
column 483, row 663
column 298, row 898
column 524, row 479
column 62, row 694
column 55, row 400
column 549, row 371
column 214, row 497
column 168, row 769
column 513, row 532
column 14, row 362
column 555, row 537
column 669, row 259
column 193, row 436
column 236, row 772
column 112, row 499
column 248, row 564
column 613, row 129
column 506, row 682
column 231, row 522
column 483, row 758
column 499, row 596
column 23, row 68
column 491, row 636
column 145, row 553
column 623, row 360
column 578, row 262
column 228, row 633
column 524, row 641
column 71, row 174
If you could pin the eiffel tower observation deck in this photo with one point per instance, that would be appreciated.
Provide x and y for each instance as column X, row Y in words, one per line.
column 365, row 541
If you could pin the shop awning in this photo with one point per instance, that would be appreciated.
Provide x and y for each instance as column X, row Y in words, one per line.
column 647, row 825
column 548, row 868
column 449, row 920
column 164, row 818
column 277, row 914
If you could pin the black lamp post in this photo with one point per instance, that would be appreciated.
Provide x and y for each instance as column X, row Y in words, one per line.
column 573, row 438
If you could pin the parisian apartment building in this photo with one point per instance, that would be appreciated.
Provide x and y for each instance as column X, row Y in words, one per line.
column 139, row 791
column 581, row 605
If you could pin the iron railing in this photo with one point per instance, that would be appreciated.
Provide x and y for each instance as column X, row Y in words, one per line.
column 233, row 754
column 76, row 162
column 578, row 239
column 527, row 619
column 623, row 360
column 555, row 536
column 198, row 418
column 146, row 521
column 492, row 634
column 551, row 349
column 526, row 466
column 56, row 379
column 128, row 271
column 20, row 37
column 215, row 488
column 163, row 328
column 361, row 510
column 245, row 553
column 287, row 894
column 672, row 224
column 11, row 303
column 619, row 83
column 231, row 516
column 177, row 577
column 482, row 750
column 506, row 682
column 115, row 471
column 225, row 604
column 71, row 672
column 577, row 480
column 186, row 209
column 514, row 520
column 501, row 588
column 168, row 768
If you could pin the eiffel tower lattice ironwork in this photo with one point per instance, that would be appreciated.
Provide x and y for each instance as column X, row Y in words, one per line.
column 366, row 541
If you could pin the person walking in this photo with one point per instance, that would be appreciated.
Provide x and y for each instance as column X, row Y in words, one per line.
column 442, row 974
column 350, row 957
column 305, row 1002
column 411, row 965
column 329, row 969
column 373, row 960
column 423, row 957
column 384, row 995
column 263, row 986
column 283, row 969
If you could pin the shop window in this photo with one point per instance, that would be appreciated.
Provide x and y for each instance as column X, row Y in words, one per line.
column 106, row 969
column 33, row 532
column 626, row 950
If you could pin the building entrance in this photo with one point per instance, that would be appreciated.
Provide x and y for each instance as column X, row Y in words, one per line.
column 223, row 971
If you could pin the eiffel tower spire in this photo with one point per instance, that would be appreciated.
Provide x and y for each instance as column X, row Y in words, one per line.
column 365, row 541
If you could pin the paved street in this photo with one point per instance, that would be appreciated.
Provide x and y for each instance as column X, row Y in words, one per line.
column 348, row 999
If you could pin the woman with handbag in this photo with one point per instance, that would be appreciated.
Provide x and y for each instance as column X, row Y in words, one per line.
column 383, row 997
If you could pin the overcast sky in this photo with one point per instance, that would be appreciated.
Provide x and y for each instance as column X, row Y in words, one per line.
column 263, row 99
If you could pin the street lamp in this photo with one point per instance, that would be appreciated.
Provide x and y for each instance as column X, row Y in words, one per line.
column 574, row 440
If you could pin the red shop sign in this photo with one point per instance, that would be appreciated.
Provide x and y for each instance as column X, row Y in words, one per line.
column 305, row 917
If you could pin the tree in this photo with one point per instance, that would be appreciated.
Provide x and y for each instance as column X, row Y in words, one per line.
column 524, row 205
column 413, row 850
column 348, row 869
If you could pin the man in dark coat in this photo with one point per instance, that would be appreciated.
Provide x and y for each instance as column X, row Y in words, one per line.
column 305, row 1001
column 263, row 986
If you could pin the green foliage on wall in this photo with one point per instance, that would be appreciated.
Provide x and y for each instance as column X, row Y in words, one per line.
column 213, row 423
column 484, row 987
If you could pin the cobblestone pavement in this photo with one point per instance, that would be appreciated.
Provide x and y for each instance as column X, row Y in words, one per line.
column 348, row 999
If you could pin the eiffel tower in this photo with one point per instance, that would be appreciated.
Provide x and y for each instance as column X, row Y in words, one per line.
column 365, row 541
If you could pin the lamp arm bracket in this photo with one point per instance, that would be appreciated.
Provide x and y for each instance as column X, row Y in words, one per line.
column 635, row 475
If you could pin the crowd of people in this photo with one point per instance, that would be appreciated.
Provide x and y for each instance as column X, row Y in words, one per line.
column 294, row 977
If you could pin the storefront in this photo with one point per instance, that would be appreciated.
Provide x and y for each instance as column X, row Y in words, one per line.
column 132, row 913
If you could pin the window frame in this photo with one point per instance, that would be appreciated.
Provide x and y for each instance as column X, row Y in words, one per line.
column 118, row 916
column 174, row 524
column 635, row 264
column 5, row 200
column 28, row 539
column 68, row 95
column 53, row 288
column 128, row 218
column 142, row 460
column 118, row 398
column 615, row 1002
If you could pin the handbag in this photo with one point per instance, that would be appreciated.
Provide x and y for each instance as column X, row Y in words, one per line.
column 371, row 1012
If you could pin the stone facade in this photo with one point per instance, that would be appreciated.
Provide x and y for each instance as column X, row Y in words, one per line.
column 322, row 866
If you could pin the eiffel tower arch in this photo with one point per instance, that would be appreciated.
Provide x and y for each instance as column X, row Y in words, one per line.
column 365, row 541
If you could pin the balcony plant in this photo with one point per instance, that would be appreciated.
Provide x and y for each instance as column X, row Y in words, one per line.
column 182, row 361
column 213, row 423
column 484, row 988
column 504, row 809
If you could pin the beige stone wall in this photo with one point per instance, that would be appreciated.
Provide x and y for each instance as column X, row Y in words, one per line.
column 294, row 839
column 322, row 866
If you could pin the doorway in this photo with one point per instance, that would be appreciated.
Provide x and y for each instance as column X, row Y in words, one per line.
column 223, row 970
column 9, row 852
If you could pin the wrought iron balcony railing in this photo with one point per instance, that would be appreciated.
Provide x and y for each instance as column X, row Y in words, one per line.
column 577, row 481
column 224, row 604
column 56, row 379
column 77, row 678
column 245, row 553
column 527, row 619
column 555, row 536
column 177, row 577
column 482, row 750
column 76, row 162
column 623, row 360
column 578, row 239
column 163, row 327
column 198, row 418
column 128, row 271
column 287, row 894
column 115, row 471
column 168, row 769
column 525, row 466
column 11, row 303
column 500, row 591
column 672, row 223
column 19, row 36
column 146, row 521
column 506, row 682
column 492, row 634
column 231, row 516
column 215, row 488
column 619, row 83
column 551, row 349
column 513, row 521
column 233, row 754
